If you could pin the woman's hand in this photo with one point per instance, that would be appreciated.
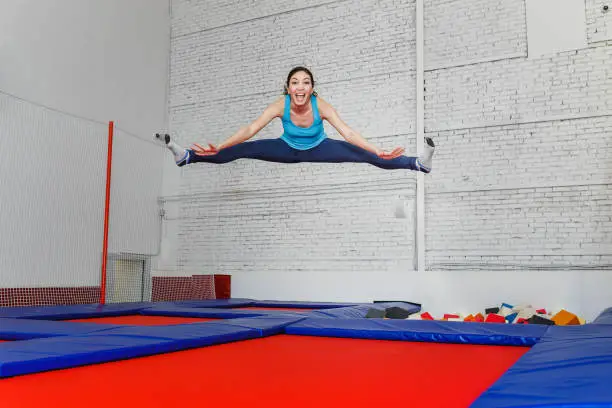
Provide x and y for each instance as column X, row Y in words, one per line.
column 203, row 151
column 398, row 151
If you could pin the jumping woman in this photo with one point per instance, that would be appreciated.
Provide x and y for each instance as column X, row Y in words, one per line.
column 304, row 140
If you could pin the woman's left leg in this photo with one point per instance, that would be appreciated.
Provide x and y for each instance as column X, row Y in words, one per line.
column 339, row 151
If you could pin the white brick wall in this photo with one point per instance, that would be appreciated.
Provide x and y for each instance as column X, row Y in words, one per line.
column 522, row 169
column 523, row 226
column 525, row 155
column 190, row 16
column 534, row 154
column 340, row 41
column 573, row 83
column 257, row 216
column 459, row 32
column 599, row 23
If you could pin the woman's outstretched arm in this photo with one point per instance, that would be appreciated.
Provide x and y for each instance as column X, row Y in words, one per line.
column 329, row 113
column 245, row 133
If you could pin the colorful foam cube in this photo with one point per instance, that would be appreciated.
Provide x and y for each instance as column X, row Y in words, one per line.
column 565, row 318
column 526, row 313
column 491, row 310
column 426, row 316
column 511, row 317
column 539, row 319
column 520, row 307
column 396, row 312
column 495, row 318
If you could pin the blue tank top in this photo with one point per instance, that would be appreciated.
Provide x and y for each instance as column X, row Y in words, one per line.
column 299, row 137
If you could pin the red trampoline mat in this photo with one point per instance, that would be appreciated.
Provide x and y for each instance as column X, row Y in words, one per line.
column 283, row 370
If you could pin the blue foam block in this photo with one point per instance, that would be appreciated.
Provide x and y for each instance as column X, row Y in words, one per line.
column 115, row 344
column 421, row 330
column 570, row 367
column 25, row 329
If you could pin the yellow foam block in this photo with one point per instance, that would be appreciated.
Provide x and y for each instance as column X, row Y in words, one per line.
column 565, row 318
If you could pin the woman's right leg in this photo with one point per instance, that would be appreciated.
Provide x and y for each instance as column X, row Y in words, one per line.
column 271, row 150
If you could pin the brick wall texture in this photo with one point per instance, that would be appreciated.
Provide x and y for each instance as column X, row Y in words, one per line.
column 524, row 160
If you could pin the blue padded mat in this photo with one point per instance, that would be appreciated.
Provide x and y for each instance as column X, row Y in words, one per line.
column 65, row 312
column 302, row 304
column 115, row 344
column 25, row 329
column 213, row 313
column 362, row 310
column 263, row 325
column 604, row 317
column 568, row 368
column 267, row 325
column 421, row 330
column 215, row 303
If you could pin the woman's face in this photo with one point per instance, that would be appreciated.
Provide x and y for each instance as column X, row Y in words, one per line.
column 300, row 88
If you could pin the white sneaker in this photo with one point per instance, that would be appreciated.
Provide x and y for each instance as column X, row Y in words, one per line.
column 181, row 156
column 425, row 160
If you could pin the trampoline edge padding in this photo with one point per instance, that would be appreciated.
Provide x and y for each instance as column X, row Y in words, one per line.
column 421, row 330
column 32, row 356
column 570, row 366
column 302, row 304
column 65, row 312
column 26, row 329
column 212, row 313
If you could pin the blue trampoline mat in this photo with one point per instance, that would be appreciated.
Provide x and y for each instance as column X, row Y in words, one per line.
column 72, row 311
column 25, row 329
column 302, row 304
column 421, row 330
column 570, row 367
column 116, row 343
column 212, row 313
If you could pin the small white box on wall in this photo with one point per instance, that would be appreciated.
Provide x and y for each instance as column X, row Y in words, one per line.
column 555, row 26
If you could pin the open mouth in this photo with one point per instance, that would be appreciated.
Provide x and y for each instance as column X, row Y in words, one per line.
column 300, row 97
